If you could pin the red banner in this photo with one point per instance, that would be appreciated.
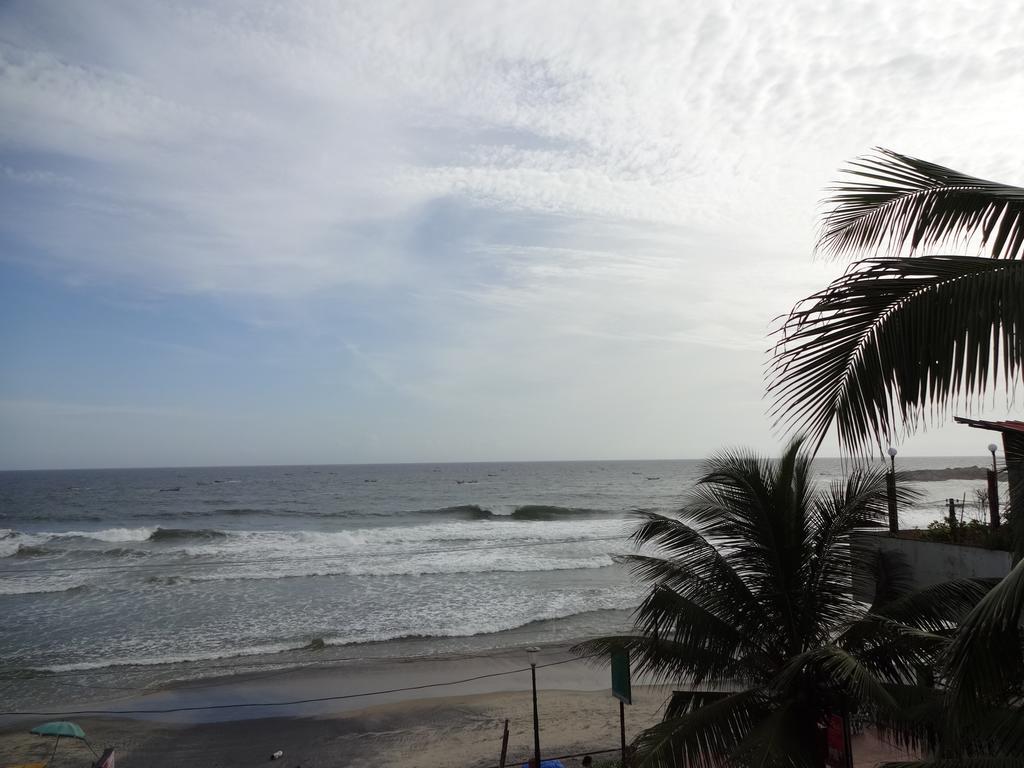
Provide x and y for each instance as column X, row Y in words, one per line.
column 837, row 747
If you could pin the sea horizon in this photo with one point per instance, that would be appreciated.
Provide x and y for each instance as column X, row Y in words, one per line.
column 869, row 458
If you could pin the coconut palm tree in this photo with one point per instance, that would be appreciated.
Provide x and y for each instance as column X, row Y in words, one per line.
column 750, row 610
column 982, row 714
column 900, row 336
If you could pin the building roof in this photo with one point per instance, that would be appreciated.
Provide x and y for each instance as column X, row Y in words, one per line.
column 996, row 426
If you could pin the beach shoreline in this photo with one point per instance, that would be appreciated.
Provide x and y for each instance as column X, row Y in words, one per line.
column 461, row 730
column 403, row 713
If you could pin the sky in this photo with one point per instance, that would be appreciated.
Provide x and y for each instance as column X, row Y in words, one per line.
column 331, row 232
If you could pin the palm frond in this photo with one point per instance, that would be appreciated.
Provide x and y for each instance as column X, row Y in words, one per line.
column 937, row 607
column 840, row 672
column 917, row 723
column 682, row 703
column 1002, row 731
column 893, row 202
column 704, row 737
column 893, row 577
column 894, row 340
column 695, row 568
column 760, row 511
column 986, row 660
column 859, row 502
column 786, row 738
column 892, row 652
column 957, row 762
column 683, row 608
column 663, row 660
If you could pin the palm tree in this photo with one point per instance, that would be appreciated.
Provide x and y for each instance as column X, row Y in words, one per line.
column 983, row 716
column 750, row 609
column 901, row 336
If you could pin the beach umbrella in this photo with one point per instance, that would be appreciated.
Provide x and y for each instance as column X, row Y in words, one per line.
column 59, row 728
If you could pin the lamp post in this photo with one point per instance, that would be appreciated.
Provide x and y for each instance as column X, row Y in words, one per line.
column 532, row 653
column 894, row 520
column 993, row 490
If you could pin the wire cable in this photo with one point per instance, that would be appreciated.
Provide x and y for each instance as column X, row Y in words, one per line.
column 293, row 703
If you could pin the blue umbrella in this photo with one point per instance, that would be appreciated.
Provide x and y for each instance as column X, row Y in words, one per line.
column 59, row 728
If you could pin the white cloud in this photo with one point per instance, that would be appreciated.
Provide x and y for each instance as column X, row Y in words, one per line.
column 619, row 173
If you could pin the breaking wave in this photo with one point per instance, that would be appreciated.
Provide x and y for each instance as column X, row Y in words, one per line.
column 28, row 550
column 542, row 512
column 186, row 534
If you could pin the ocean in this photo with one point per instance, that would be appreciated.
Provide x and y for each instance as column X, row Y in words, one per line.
column 129, row 579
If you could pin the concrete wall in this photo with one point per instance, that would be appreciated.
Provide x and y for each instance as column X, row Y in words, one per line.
column 931, row 562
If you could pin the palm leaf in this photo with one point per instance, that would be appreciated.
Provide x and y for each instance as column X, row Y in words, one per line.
column 857, row 503
column 917, row 723
column 758, row 512
column 786, row 738
column 892, row 202
column 892, row 574
column 666, row 661
column 702, row 738
column 685, row 702
column 696, row 569
column 957, row 762
column 937, row 607
column 841, row 672
column 986, row 662
column 892, row 651
column 892, row 337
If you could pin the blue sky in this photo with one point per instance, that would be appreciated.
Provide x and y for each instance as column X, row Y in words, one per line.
column 341, row 232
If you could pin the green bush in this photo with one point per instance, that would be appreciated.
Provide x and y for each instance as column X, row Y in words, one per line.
column 972, row 533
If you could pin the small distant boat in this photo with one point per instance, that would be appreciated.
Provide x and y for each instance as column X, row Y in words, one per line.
column 170, row 490
column 369, row 481
column 654, row 478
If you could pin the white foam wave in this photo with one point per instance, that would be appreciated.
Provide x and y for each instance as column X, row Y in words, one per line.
column 560, row 607
column 112, row 535
column 39, row 585
column 451, row 547
column 9, row 542
column 153, row 661
column 413, row 566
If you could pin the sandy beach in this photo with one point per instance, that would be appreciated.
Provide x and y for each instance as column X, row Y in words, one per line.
column 452, row 731
column 440, row 725
column 461, row 730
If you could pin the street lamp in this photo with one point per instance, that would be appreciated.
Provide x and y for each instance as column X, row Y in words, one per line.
column 894, row 520
column 992, row 448
column 532, row 653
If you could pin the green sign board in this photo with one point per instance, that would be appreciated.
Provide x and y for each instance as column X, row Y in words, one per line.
column 620, row 677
